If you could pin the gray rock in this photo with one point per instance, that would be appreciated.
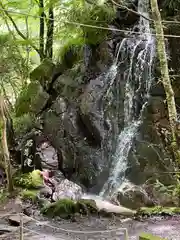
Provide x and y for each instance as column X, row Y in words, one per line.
column 132, row 196
column 67, row 189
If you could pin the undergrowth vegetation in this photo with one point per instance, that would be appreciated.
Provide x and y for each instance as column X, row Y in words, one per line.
column 32, row 180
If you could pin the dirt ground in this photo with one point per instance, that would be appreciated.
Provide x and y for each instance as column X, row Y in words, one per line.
column 86, row 228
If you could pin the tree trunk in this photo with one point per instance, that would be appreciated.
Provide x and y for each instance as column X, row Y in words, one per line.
column 5, row 149
column 50, row 32
column 41, row 30
column 165, row 77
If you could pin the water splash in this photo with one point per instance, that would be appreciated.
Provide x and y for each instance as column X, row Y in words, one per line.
column 119, row 163
column 137, row 52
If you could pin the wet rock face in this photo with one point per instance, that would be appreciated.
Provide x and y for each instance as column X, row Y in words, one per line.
column 82, row 127
column 149, row 158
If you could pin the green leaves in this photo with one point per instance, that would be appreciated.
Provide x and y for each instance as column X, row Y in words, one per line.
column 21, row 36
column 94, row 15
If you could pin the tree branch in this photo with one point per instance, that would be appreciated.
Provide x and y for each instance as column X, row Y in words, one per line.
column 130, row 10
column 19, row 32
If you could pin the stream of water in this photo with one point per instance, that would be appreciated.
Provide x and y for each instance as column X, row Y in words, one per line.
column 137, row 51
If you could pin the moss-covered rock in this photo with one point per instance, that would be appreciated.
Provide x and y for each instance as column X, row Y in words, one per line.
column 71, row 52
column 87, row 206
column 43, row 73
column 31, row 99
column 31, row 180
column 67, row 208
column 64, row 208
column 158, row 210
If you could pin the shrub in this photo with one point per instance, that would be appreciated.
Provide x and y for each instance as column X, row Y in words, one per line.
column 31, row 180
column 29, row 195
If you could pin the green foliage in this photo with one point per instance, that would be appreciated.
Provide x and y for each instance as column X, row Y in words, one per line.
column 172, row 4
column 12, row 67
column 3, row 195
column 31, row 180
column 158, row 210
column 29, row 195
column 73, row 47
column 170, row 190
column 24, row 123
column 25, row 99
column 95, row 15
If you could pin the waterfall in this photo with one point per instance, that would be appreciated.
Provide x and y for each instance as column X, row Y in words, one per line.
column 137, row 51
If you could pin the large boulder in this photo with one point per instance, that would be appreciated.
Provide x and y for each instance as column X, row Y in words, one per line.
column 67, row 190
column 133, row 196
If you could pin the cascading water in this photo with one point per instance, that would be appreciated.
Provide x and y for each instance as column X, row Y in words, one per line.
column 137, row 52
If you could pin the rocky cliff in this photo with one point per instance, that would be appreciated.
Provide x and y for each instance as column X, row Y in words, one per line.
column 80, row 107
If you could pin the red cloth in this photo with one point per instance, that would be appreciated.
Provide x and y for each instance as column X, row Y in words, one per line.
column 47, row 180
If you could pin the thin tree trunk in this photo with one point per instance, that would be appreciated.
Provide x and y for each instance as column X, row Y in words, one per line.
column 5, row 149
column 165, row 77
column 41, row 30
column 50, row 32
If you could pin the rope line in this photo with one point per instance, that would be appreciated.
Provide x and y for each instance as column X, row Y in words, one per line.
column 76, row 231
column 32, row 231
column 97, row 27
column 48, row 18
column 122, row 230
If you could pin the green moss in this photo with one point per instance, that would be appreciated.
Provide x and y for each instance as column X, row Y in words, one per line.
column 86, row 206
column 43, row 73
column 158, row 210
column 31, row 180
column 71, row 52
column 29, row 195
column 66, row 208
column 23, row 123
column 31, row 99
column 147, row 236
column 27, row 95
